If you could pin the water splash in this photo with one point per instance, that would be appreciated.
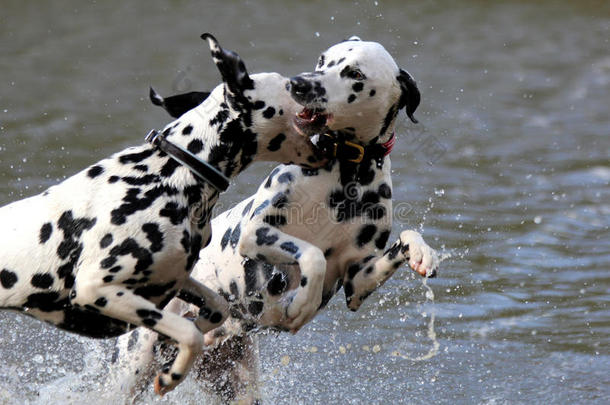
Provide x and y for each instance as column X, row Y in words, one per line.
column 431, row 333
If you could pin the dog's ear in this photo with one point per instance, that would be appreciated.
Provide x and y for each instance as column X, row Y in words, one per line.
column 230, row 65
column 180, row 103
column 410, row 96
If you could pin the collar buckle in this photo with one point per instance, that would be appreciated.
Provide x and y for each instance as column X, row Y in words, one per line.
column 360, row 149
column 352, row 145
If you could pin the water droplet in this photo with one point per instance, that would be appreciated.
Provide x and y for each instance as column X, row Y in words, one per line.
column 537, row 219
column 317, row 34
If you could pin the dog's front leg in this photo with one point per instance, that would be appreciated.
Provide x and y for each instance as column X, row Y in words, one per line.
column 361, row 279
column 120, row 303
column 260, row 240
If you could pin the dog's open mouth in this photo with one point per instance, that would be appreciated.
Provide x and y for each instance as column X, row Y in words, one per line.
column 311, row 121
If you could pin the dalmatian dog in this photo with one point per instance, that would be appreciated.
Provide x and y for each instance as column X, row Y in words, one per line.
column 105, row 250
column 280, row 255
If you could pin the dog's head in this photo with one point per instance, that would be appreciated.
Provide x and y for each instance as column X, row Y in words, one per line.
column 357, row 86
column 251, row 115
column 264, row 107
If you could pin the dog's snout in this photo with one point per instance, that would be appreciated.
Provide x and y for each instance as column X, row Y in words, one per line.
column 300, row 86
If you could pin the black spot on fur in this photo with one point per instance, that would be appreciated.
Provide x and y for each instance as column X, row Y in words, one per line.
column 275, row 220
column 351, row 98
column 174, row 212
column 106, row 241
column 280, row 200
column 271, row 176
column 225, row 239
column 276, row 142
column 196, row 243
column 149, row 317
column 328, row 252
column 250, row 277
column 309, row 172
column 136, row 157
column 255, row 307
column 385, row 191
column 269, row 112
column 289, row 247
column 155, row 290
column 391, row 114
column 235, row 236
column 263, row 237
column 285, row 178
column 132, row 203
column 247, row 208
column 142, row 180
column 372, row 93
column 260, row 208
column 348, row 288
column 357, row 87
column 382, row 239
column 45, row 232
column 277, row 284
column 95, row 171
column 352, row 270
column 42, row 280
column 113, row 179
column 216, row 317
column 303, row 281
column 169, row 168
column 187, row 130
column 258, row 105
column 195, row 146
column 154, row 235
column 101, row 302
column 366, row 234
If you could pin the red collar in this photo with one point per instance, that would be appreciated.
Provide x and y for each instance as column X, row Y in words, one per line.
column 389, row 145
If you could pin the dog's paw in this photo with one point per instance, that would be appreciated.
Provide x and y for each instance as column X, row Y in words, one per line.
column 302, row 306
column 164, row 383
column 422, row 258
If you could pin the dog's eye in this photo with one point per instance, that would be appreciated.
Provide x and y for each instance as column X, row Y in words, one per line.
column 355, row 74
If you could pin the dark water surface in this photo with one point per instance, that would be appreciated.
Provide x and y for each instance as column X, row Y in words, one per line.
column 508, row 173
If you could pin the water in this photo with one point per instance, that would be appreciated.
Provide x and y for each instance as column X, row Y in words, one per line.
column 507, row 174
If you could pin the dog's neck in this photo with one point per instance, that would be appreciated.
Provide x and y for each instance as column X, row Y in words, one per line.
column 217, row 133
column 376, row 155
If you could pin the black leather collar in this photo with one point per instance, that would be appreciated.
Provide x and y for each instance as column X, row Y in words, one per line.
column 352, row 152
column 198, row 167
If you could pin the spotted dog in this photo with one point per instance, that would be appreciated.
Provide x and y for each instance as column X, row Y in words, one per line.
column 279, row 256
column 106, row 249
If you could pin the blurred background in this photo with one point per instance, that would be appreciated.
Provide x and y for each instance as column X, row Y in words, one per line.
column 507, row 175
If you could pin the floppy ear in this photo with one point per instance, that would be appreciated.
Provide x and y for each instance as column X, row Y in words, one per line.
column 231, row 66
column 180, row 103
column 410, row 96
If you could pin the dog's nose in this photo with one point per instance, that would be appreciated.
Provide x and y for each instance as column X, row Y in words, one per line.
column 299, row 86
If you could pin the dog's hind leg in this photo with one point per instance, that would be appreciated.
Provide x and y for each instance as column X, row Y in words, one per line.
column 232, row 369
column 120, row 303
